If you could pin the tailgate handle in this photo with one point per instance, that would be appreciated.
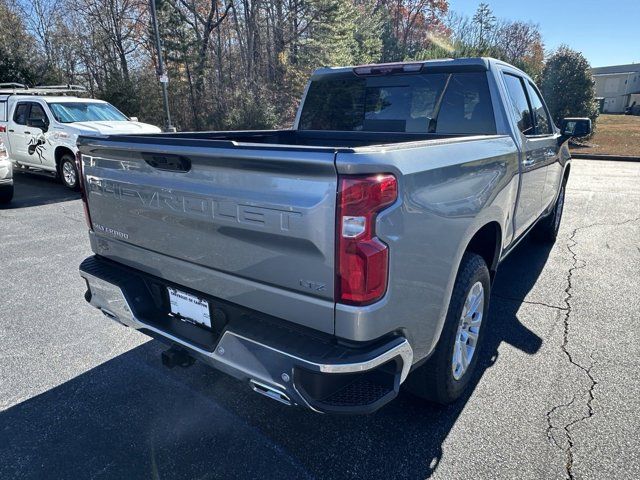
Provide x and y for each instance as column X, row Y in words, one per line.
column 164, row 161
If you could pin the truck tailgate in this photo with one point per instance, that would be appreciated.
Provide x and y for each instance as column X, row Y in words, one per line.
column 260, row 214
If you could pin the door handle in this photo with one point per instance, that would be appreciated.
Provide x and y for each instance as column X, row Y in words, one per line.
column 26, row 132
column 167, row 161
column 11, row 130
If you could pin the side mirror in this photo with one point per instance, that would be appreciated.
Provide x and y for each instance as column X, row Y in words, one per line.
column 575, row 127
column 38, row 123
column 133, row 119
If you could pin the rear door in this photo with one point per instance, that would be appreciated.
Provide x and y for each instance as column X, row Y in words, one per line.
column 18, row 131
column 261, row 214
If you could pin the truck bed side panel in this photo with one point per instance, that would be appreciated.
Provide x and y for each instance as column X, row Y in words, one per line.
column 447, row 191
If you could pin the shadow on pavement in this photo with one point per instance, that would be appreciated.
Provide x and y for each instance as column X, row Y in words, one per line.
column 130, row 418
column 31, row 190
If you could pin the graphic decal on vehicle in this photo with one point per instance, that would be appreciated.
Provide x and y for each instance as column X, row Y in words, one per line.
column 37, row 145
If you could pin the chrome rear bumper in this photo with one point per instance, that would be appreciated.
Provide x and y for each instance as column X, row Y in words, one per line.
column 277, row 362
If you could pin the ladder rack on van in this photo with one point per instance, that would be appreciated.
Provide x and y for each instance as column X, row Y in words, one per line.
column 20, row 89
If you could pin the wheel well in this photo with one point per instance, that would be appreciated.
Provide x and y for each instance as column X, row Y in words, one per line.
column 60, row 151
column 486, row 243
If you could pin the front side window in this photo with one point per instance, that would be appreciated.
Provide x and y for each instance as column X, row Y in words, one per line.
column 70, row 112
column 20, row 115
column 445, row 103
column 541, row 116
column 519, row 103
column 37, row 113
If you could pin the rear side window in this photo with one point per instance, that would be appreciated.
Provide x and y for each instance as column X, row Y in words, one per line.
column 412, row 103
column 20, row 115
column 540, row 114
column 520, row 104
column 466, row 106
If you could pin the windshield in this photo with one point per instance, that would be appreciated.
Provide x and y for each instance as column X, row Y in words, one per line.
column 446, row 103
column 69, row 112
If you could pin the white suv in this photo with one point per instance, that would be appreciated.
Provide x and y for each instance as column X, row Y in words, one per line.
column 39, row 127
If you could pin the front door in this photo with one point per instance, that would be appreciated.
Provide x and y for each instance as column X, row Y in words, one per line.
column 546, row 147
column 38, row 147
column 532, row 155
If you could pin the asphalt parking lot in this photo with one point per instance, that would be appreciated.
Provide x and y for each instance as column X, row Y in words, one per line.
column 558, row 394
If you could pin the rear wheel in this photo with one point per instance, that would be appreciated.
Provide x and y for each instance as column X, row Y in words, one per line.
column 6, row 193
column 445, row 376
column 546, row 231
column 68, row 172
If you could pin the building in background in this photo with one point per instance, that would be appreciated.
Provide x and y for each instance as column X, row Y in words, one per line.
column 617, row 87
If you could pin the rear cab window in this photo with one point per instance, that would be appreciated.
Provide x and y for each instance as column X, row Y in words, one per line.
column 445, row 103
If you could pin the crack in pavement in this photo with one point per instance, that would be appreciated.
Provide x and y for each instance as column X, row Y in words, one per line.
column 550, row 426
column 531, row 302
column 576, row 265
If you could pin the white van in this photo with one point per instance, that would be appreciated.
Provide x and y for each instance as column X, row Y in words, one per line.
column 39, row 126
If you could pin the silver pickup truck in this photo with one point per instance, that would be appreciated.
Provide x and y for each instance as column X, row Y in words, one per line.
column 328, row 264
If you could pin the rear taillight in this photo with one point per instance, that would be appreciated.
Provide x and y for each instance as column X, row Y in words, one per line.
column 362, row 259
column 83, row 191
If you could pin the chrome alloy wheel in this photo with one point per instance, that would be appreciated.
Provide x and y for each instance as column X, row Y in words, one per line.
column 464, row 346
column 69, row 174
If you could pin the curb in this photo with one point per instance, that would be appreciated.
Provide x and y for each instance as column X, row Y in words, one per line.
column 619, row 158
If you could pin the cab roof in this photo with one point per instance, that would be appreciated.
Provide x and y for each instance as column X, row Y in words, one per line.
column 57, row 99
column 472, row 63
column 443, row 65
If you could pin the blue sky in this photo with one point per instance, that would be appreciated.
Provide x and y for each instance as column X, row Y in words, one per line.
column 606, row 32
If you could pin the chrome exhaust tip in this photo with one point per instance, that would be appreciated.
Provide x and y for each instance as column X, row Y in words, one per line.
column 270, row 392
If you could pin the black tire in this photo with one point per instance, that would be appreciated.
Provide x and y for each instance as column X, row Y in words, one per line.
column 68, row 173
column 546, row 231
column 435, row 381
column 6, row 193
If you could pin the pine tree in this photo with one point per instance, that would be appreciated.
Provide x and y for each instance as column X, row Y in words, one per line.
column 485, row 21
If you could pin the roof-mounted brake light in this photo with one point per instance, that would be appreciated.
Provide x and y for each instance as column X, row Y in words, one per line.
column 387, row 68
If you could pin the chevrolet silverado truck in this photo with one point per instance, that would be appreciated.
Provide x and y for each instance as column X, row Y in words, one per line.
column 328, row 264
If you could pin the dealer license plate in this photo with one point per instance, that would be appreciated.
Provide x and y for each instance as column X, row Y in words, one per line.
column 189, row 307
